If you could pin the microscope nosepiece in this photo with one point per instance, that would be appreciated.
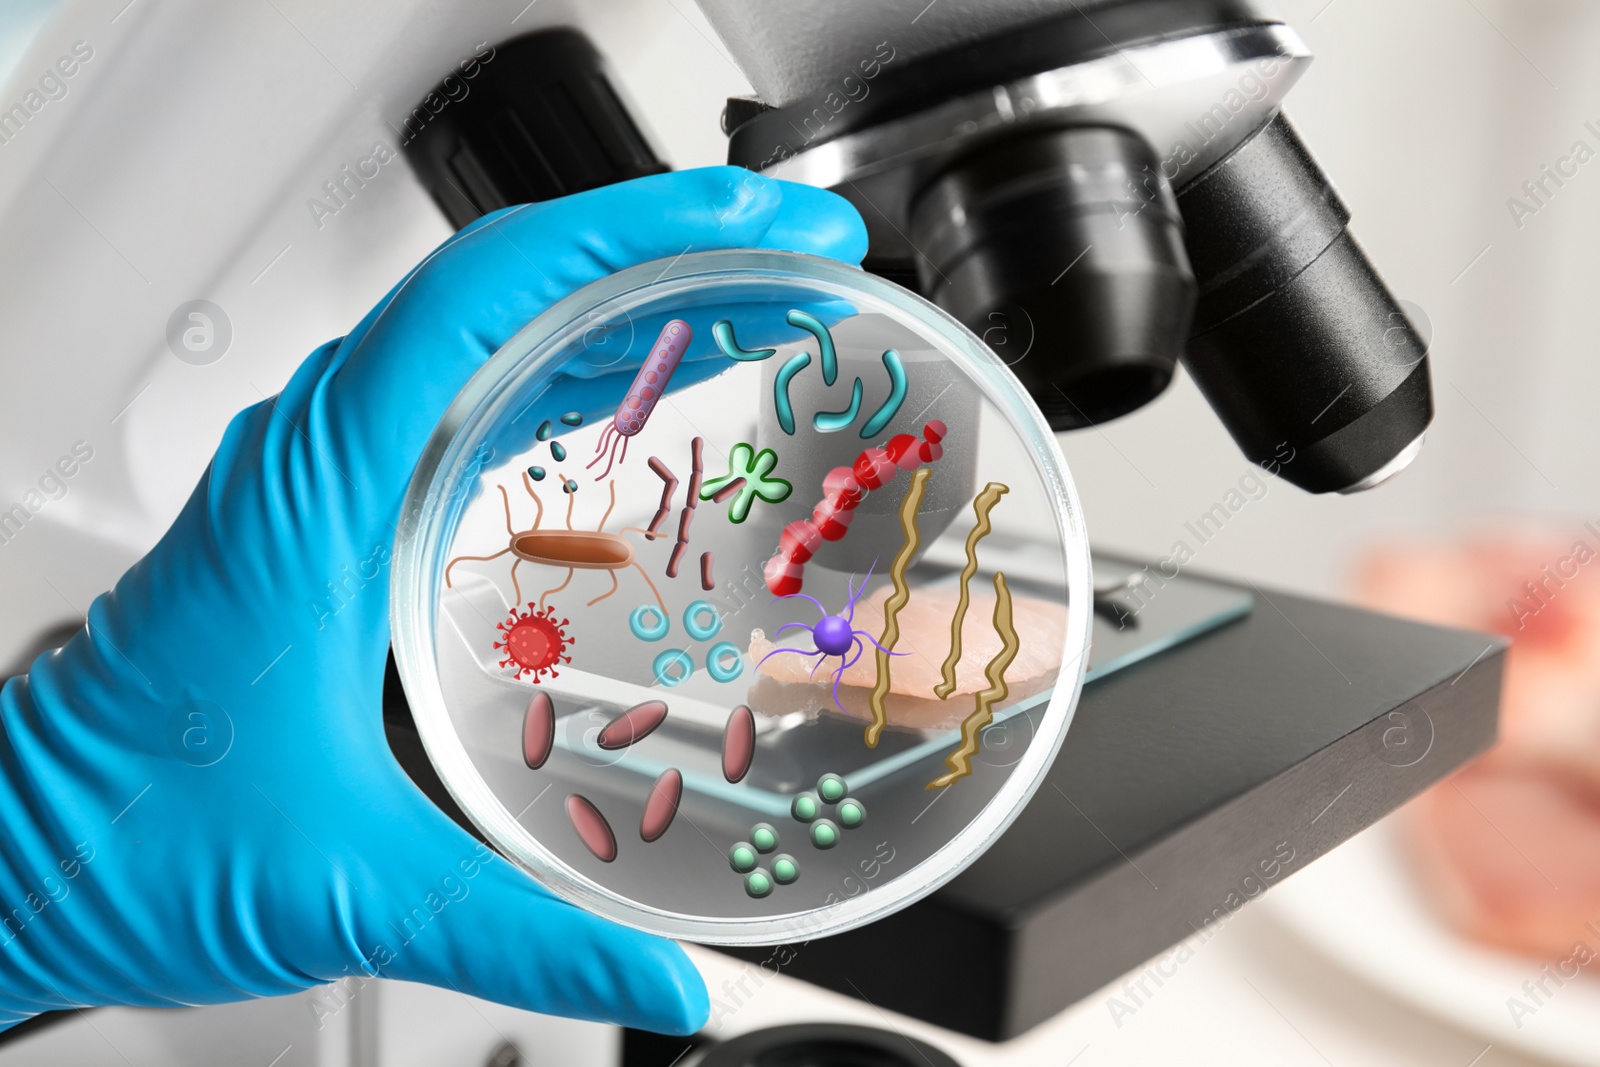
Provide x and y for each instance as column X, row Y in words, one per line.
column 1299, row 347
column 1063, row 249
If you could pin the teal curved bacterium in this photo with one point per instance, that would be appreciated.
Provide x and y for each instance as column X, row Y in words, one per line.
column 897, row 395
column 822, row 421
column 813, row 325
column 780, row 389
column 831, row 421
column 722, row 332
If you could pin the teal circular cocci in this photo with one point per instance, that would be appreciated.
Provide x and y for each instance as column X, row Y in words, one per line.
column 764, row 836
column 758, row 883
column 648, row 631
column 724, row 661
column 831, row 787
column 852, row 813
column 702, row 631
column 824, row 833
column 805, row 807
column 664, row 664
column 785, row 870
column 742, row 857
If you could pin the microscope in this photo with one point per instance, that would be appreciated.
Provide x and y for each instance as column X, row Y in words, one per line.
column 1100, row 190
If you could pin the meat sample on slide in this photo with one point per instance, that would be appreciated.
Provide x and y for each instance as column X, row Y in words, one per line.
column 1510, row 847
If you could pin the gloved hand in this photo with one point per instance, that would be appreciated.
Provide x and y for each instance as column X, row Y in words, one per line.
column 196, row 797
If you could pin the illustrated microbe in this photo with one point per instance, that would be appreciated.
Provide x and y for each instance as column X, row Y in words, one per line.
column 755, row 469
column 852, row 813
column 558, row 451
column 738, row 744
column 691, row 500
column 722, row 333
column 573, row 549
column 805, row 807
column 743, row 857
column 572, row 418
column 648, row 387
column 592, row 828
column 843, row 489
column 960, row 761
column 897, row 600
column 731, row 489
column 534, row 643
column 538, row 731
column 543, row 433
column 758, row 883
column 831, row 788
column 670, row 483
column 662, row 804
column 834, row 636
column 724, row 661
column 633, row 725
column 982, row 504
column 672, row 667
column 897, row 396
column 834, row 421
column 647, row 623
column 764, row 836
column 702, row 620
column 536, row 473
column 780, row 390
column 785, row 869
column 824, row 833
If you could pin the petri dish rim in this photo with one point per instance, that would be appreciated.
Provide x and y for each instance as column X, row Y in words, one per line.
column 433, row 505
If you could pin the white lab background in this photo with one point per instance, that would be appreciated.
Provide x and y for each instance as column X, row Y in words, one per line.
column 178, row 165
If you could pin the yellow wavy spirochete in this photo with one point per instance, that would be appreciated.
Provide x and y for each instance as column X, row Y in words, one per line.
column 982, row 504
column 960, row 761
column 897, row 600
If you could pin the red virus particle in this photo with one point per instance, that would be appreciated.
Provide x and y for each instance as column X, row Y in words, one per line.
column 534, row 642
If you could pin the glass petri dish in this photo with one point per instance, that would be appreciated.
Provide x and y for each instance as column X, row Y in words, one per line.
column 677, row 588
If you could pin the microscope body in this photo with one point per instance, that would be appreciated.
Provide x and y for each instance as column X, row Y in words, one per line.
column 1100, row 190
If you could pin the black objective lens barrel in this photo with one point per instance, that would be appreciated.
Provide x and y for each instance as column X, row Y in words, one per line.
column 1297, row 344
column 1063, row 249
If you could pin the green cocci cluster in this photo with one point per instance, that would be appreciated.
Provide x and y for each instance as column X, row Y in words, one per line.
column 806, row 807
column 848, row 812
column 745, row 858
column 758, row 883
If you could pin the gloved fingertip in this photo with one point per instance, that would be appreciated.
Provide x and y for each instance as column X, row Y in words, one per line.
column 693, row 1007
column 742, row 197
column 819, row 222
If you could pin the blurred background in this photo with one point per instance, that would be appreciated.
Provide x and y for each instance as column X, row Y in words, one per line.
column 176, row 164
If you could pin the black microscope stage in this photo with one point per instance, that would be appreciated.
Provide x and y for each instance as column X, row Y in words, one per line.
column 1189, row 783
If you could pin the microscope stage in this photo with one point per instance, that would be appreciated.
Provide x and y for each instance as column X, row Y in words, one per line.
column 1189, row 783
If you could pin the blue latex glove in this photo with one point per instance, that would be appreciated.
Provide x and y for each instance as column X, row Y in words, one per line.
column 197, row 799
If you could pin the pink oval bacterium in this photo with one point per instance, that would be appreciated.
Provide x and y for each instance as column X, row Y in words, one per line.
column 593, row 830
column 538, row 731
column 633, row 725
column 661, row 805
column 738, row 744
